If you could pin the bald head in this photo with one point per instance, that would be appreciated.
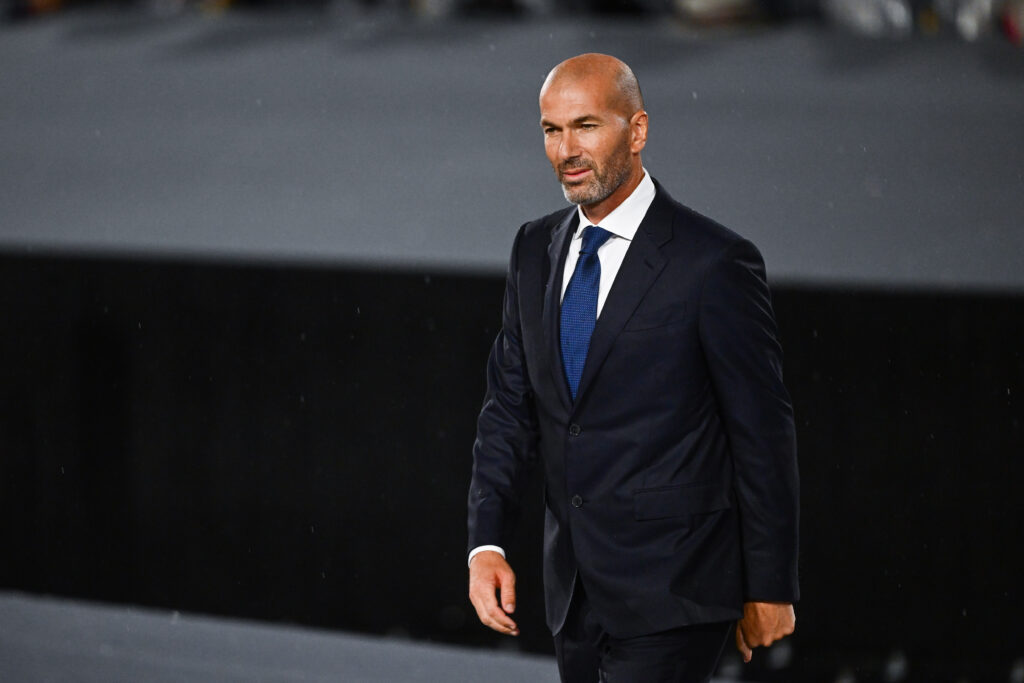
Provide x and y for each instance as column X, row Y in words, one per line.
column 601, row 73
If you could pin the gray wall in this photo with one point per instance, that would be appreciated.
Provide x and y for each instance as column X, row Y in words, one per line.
column 369, row 138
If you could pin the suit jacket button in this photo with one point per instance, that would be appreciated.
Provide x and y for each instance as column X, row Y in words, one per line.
column 574, row 430
column 577, row 502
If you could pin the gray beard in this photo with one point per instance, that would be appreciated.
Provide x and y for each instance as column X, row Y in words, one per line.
column 585, row 195
column 600, row 189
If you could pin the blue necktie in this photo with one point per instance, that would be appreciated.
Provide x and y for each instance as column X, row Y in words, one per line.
column 579, row 306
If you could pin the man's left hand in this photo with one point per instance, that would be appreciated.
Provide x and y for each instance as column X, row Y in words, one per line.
column 762, row 624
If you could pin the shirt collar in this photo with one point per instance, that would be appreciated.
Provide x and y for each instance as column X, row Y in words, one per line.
column 624, row 220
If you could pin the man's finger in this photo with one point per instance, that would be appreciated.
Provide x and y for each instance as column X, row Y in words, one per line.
column 741, row 644
column 500, row 622
column 508, row 592
column 490, row 614
column 482, row 597
column 492, row 617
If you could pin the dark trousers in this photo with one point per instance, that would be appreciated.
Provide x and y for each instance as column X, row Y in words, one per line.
column 586, row 653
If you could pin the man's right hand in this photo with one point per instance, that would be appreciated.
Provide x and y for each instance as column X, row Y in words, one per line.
column 489, row 577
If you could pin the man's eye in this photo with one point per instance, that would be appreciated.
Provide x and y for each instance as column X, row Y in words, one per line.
column 588, row 126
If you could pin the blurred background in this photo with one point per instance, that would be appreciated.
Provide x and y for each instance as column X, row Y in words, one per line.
column 252, row 258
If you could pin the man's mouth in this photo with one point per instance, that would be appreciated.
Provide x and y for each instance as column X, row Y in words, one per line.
column 574, row 174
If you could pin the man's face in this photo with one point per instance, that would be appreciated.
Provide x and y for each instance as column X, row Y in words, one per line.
column 586, row 140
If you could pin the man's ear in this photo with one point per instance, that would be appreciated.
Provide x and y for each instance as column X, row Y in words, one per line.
column 638, row 131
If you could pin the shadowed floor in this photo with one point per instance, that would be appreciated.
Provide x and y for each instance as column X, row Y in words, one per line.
column 45, row 639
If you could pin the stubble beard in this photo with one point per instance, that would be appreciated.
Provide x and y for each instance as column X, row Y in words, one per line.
column 600, row 185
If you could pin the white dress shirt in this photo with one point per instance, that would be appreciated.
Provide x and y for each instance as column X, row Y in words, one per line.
column 622, row 222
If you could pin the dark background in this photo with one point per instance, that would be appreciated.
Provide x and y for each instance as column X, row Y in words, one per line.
column 294, row 444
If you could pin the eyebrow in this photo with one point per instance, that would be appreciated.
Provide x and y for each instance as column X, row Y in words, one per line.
column 578, row 120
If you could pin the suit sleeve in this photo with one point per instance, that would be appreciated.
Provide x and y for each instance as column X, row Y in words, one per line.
column 506, row 438
column 740, row 342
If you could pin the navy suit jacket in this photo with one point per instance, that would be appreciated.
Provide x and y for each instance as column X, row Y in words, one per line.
column 671, row 486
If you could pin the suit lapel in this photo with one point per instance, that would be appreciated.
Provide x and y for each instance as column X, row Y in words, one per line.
column 641, row 267
column 558, row 248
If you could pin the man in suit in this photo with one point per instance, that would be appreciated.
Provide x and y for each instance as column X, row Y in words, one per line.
column 638, row 360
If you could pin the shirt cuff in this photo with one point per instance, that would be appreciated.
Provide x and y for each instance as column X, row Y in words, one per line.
column 481, row 548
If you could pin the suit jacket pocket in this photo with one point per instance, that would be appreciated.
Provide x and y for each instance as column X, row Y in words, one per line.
column 660, row 317
column 679, row 501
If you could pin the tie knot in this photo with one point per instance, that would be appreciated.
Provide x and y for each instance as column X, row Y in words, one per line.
column 593, row 238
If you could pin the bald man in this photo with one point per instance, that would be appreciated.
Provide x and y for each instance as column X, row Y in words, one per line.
column 638, row 360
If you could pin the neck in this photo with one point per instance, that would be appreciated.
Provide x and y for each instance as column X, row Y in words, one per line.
column 598, row 211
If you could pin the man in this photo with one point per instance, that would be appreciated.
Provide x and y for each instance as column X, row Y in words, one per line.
column 638, row 359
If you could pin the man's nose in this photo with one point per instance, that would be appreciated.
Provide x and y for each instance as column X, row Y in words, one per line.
column 569, row 149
